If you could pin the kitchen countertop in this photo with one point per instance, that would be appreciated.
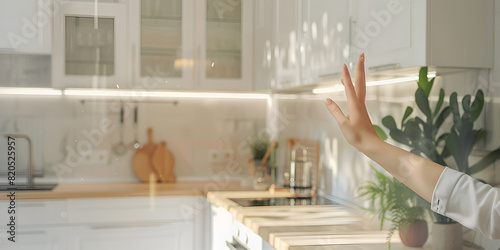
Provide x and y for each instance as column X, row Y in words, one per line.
column 307, row 227
column 130, row 189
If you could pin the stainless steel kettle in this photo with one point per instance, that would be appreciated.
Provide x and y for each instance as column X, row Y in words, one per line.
column 300, row 173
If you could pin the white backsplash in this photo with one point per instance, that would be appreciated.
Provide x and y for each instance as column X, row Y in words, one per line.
column 194, row 130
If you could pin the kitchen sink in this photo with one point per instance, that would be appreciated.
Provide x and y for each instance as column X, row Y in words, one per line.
column 36, row 187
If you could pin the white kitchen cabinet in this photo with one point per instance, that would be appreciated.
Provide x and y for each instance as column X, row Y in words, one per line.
column 410, row 33
column 264, row 37
column 174, row 222
column 324, row 45
column 40, row 224
column 173, row 235
column 162, row 43
column 309, row 41
column 91, row 45
column 225, row 44
column 186, row 44
column 160, row 222
column 40, row 238
column 287, row 42
column 28, row 29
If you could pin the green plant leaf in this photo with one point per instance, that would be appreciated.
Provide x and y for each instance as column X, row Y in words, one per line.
column 408, row 112
column 477, row 105
column 441, row 138
column 423, row 81
column 454, row 109
column 389, row 122
column 442, row 117
column 399, row 136
column 412, row 130
column 485, row 162
column 439, row 103
column 423, row 103
column 466, row 103
column 427, row 129
column 380, row 132
column 452, row 144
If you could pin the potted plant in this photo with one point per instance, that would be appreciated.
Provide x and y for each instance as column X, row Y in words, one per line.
column 258, row 173
column 424, row 136
column 390, row 200
column 259, row 147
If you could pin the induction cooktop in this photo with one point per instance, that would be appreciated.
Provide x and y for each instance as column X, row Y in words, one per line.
column 283, row 201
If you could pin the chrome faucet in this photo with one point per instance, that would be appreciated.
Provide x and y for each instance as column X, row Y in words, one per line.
column 30, row 169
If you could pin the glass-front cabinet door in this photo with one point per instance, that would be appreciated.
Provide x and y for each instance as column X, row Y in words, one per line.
column 90, row 45
column 161, row 35
column 225, row 44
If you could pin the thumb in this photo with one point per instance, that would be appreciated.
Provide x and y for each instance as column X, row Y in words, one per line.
column 335, row 111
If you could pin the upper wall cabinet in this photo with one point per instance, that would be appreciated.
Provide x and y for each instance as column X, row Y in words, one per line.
column 325, row 39
column 410, row 33
column 90, row 45
column 308, row 41
column 186, row 44
column 225, row 44
column 26, row 26
column 162, row 43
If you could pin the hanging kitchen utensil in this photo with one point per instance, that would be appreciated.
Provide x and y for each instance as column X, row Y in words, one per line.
column 134, row 145
column 163, row 163
column 141, row 163
column 120, row 148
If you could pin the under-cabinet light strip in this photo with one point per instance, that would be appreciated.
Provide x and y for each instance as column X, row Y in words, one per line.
column 161, row 94
column 128, row 93
column 30, row 91
column 340, row 87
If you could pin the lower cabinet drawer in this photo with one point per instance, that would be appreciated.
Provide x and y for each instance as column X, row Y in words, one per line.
column 35, row 212
column 133, row 236
column 102, row 210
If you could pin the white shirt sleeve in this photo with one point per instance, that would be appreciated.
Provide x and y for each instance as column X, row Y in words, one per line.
column 471, row 203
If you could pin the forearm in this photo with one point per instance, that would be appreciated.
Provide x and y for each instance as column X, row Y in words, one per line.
column 418, row 173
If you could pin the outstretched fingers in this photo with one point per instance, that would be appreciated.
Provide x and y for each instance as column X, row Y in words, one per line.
column 360, row 79
column 337, row 113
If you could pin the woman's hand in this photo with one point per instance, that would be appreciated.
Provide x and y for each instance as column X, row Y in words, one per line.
column 356, row 126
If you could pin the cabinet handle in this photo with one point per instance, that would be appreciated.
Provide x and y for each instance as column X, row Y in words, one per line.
column 32, row 205
column 31, row 232
column 230, row 246
column 104, row 227
column 236, row 244
column 385, row 66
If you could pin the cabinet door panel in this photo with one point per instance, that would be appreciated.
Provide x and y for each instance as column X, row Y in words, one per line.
column 95, row 210
column 392, row 34
column 177, row 235
column 286, row 49
column 325, row 38
column 40, row 238
column 91, row 41
column 162, row 38
column 225, row 46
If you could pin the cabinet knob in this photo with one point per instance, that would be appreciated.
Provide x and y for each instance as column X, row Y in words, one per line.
column 64, row 214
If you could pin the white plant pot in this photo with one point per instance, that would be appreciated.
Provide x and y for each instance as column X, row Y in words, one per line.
column 447, row 236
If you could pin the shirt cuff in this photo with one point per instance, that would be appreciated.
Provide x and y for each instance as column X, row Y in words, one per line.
column 443, row 190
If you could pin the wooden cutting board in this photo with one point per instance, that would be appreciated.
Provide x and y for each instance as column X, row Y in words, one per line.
column 163, row 163
column 141, row 163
